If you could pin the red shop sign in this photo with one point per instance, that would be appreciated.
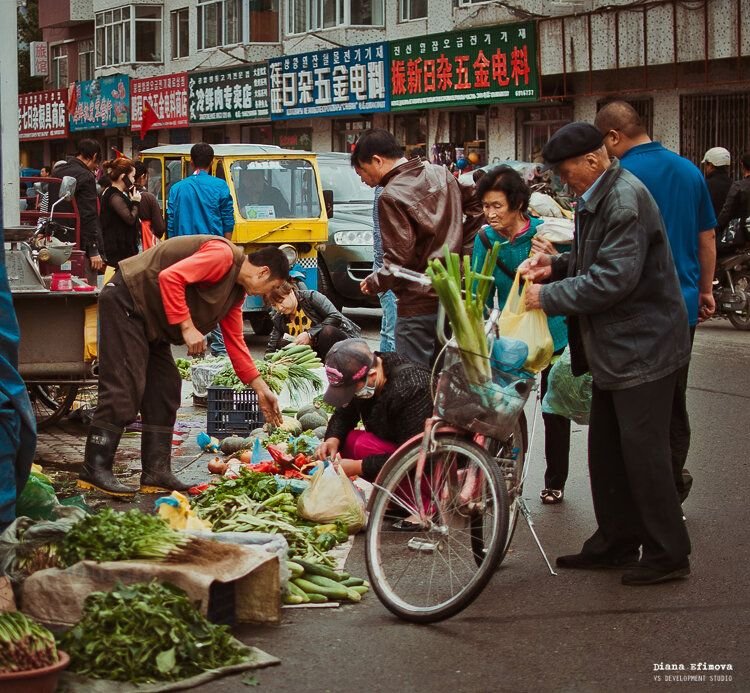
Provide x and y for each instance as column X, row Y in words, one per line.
column 166, row 95
column 43, row 115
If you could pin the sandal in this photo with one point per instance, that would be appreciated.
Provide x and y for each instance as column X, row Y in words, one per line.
column 551, row 496
column 407, row 525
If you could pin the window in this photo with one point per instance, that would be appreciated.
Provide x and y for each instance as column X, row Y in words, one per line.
column 60, row 66
column 413, row 9
column 180, row 27
column 130, row 34
column 219, row 22
column 312, row 15
column 86, row 59
column 225, row 22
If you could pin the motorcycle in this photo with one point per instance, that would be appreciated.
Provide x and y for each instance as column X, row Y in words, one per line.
column 731, row 288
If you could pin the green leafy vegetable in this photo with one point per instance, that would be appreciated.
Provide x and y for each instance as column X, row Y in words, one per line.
column 24, row 644
column 143, row 633
column 113, row 536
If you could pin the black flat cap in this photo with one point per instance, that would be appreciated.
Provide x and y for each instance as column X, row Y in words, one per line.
column 571, row 140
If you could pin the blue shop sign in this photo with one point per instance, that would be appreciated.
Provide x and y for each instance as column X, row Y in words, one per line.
column 101, row 103
column 341, row 81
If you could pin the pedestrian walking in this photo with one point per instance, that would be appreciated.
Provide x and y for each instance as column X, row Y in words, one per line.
column 716, row 162
column 82, row 166
column 387, row 298
column 419, row 212
column 685, row 204
column 173, row 294
column 627, row 325
column 505, row 202
column 149, row 211
column 120, row 207
column 201, row 204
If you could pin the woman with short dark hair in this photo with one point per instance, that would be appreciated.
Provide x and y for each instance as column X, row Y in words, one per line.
column 505, row 202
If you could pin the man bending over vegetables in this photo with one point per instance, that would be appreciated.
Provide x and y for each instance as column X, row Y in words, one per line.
column 388, row 393
column 172, row 294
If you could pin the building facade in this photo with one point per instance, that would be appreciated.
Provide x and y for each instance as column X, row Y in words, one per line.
column 448, row 77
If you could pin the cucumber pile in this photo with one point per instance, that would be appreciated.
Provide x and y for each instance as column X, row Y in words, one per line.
column 316, row 584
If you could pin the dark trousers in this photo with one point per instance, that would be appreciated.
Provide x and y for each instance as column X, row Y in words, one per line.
column 416, row 338
column 556, row 444
column 134, row 374
column 635, row 501
column 679, row 431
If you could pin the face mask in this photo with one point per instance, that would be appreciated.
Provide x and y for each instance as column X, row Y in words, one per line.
column 366, row 392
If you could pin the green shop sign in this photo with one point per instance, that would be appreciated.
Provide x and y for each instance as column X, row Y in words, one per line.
column 483, row 65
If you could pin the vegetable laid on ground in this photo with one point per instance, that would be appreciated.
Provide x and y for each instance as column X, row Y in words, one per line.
column 144, row 633
column 24, row 644
column 316, row 583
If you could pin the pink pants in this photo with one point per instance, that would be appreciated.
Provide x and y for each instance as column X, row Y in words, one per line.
column 361, row 444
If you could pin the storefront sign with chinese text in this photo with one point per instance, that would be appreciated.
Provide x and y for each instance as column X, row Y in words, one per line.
column 237, row 93
column 166, row 95
column 342, row 81
column 42, row 115
column 483, row 65
column 101, row 103
column 39, row 58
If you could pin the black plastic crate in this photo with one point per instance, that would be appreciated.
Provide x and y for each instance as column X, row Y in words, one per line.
column 231, row 412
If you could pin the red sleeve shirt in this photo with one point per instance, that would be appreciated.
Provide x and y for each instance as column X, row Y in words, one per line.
column 207, row 266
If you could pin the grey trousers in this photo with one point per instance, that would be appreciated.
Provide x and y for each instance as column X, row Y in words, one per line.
column 416, row 338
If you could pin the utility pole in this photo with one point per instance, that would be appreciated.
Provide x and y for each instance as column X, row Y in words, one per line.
column 9, row 112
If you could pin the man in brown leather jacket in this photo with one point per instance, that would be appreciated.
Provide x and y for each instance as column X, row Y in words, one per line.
column 420, row 211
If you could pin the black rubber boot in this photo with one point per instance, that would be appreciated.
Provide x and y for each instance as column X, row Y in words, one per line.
column 96, row 474
column 156, row 461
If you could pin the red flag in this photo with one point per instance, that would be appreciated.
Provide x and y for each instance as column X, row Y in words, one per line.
column 118, row 153
column 72, row 98
column 148, row 118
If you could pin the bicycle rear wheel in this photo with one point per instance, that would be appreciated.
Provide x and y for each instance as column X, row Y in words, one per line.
column 436, row 568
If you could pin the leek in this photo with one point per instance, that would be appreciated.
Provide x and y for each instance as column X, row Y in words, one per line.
column 465, row 309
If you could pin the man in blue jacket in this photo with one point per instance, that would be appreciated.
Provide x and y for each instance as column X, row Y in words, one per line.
column 685, row 204
column 201, row 204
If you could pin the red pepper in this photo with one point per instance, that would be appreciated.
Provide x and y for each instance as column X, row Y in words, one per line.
column 199, row 488
column 278, row 456
column 301, row 460
column 264, row 468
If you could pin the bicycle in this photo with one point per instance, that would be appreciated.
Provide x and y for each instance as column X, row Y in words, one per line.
column 446, row 503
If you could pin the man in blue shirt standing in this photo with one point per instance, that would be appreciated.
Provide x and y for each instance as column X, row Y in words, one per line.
column 201, row 204
column 685, row 204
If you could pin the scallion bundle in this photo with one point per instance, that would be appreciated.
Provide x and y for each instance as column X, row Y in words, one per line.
column 466, row 312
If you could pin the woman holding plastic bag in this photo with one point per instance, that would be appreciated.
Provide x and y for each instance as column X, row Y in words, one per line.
column 505, row 201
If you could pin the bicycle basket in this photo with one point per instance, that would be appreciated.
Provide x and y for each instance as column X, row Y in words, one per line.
column 491, row 408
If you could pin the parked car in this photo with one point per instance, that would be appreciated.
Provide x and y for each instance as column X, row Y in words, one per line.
column 348, row 254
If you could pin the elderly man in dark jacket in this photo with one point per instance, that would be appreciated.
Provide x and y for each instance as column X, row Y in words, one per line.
column 629, row 327
column 420, row 210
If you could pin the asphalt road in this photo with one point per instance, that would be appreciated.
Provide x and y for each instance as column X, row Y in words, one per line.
column 577, row 631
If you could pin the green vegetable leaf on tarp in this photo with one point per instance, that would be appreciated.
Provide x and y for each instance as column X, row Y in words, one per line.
column 165, row 661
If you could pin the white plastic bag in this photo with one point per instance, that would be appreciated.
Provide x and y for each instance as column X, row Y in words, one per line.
column 330, row 497
column 556, row 230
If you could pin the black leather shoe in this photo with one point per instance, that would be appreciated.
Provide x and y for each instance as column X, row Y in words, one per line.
column 96, row 473
column 156, row 461
column 643, row 575
column 586, row 561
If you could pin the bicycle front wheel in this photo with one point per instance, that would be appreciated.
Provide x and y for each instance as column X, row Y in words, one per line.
column 431, row 551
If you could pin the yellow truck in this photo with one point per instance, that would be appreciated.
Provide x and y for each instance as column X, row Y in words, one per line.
column 277, row 196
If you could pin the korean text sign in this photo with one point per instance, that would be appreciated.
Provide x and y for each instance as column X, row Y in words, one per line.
column 167, row 96
column 341, row 81
column 482, row 65
column 237, row 93
column 101, row 103
column 42, row 115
